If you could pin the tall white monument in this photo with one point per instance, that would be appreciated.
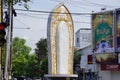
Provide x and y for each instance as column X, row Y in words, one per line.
column 60, row 36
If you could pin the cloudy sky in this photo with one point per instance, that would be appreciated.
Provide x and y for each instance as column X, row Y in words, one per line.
column 37, row 21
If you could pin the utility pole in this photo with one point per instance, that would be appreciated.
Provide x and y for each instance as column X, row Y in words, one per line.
column 11, row 34
column 0, row 64
column 0, row 46
column 8, row 48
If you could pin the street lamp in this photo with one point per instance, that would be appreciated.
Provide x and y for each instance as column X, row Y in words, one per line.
column 21, row 28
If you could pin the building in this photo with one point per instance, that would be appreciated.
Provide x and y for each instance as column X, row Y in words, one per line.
column 84, row 48
column 83, row 38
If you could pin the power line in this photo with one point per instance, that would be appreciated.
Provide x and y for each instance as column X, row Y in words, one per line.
column 21, row 22
column 109, row 6
column 85, row 3
column 23, row 13
column 47, row 12
column 31, row 13
column 21, row 28
column 47, row 18
column 73, row 3
column 53, row 12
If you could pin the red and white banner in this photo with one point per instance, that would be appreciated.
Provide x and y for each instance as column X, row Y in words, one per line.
column 115, row 67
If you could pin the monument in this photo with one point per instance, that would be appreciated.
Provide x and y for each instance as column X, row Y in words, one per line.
column 60, row 40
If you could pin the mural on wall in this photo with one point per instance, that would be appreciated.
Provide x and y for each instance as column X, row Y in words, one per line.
column 103, row 31
column 60, row 33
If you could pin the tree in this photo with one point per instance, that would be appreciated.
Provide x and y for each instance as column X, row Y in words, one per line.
column 24, row 2
column 15, row 1
column 42, row 57
column 20, row 56
column 76, row 60
column 24, row 63
column 31, row 66
column 41, row 49
column 76, row 57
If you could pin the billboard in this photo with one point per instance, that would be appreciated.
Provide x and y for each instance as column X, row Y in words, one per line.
column 103, row 31
column 119, row 58
column 107, row 58
column 118, row 30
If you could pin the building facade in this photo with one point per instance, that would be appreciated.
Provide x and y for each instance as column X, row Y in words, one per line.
column 83, row 37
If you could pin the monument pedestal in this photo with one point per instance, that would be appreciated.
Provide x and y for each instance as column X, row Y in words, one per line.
column 61, row 77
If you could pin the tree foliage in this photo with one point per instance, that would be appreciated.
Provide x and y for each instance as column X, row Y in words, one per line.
column 76, row 57
column 24, row 2
column 31, row 66
column 16, row 1
column 20, row 55
column 41, row 49
column 41, row 55
column 26, row 64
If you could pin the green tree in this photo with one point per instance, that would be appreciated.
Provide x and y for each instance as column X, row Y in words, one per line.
column 44, row 65
column 31, row 70
column 41, row 49
column 41, row 55
column 76, row 59
column 24, row 63
column 20, row 55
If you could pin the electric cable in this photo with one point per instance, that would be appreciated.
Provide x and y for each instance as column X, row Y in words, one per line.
column 53, row 12
column 47, row 18
column 85, row 3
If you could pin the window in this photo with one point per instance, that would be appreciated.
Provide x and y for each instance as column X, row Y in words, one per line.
column 77, row 40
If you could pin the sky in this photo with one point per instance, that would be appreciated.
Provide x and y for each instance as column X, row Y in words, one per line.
column 37, row 22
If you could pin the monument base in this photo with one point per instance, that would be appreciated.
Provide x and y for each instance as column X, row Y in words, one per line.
column 61, row 77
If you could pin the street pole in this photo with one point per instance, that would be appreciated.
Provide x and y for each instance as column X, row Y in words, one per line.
column 8, row 40
column 1, row 6
column 0, row 63
column 83, row 73
column 11, row 34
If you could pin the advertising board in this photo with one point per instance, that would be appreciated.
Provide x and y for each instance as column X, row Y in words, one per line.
column 103, row 32
column 117, row 24
column 107, row 58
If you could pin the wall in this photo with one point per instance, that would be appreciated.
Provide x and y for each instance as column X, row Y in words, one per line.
column 83, row 37
column 115, row 75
